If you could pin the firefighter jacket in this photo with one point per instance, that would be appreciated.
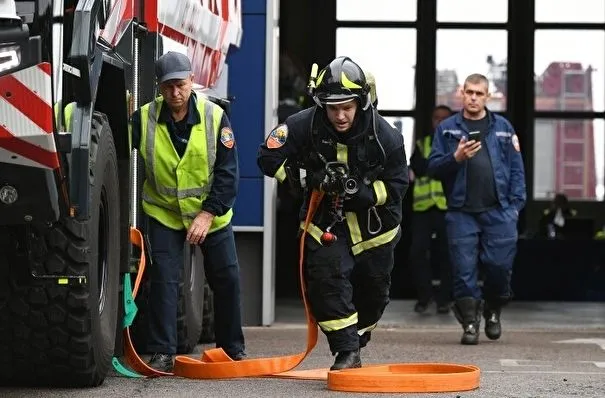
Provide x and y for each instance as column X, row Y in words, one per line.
column 185, row 175
column 428, row 192
column 375, row 155
column 502, row 144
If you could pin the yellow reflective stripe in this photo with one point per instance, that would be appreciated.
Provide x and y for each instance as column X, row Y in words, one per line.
column 375, row 242
column 280, row 174
column 381, row 192
column 320, row 78
column 368, row 329
column 346, row 82
column 427, row 193
column 342, row 153
column 353, row 225
column 338, row 324
column 313, row 230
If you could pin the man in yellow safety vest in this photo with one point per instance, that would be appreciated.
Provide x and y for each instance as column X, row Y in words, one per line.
column 429, row 207
column 191, row 179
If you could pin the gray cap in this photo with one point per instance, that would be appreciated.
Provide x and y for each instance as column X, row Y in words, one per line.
column 172, row 65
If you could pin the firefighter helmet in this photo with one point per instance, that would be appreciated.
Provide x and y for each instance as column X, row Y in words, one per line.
column 341, row 81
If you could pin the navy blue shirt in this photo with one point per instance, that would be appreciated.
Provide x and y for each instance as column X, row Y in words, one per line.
column 226, row 170
column 480, row 183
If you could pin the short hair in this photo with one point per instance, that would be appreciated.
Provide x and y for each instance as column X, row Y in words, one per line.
column 476, row 78
column 444, row 108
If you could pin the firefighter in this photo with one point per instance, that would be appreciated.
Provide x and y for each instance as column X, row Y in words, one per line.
column 429, row 206
column 477, row 157
column 358, row 160
column 191, row 179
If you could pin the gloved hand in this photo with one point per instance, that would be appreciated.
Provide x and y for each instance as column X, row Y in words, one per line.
column 361, row 200
column 315, row 179
column 321, row 180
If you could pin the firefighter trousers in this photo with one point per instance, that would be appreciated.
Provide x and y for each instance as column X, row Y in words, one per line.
column 222, row 272
column 347, row 294
column 488, row 238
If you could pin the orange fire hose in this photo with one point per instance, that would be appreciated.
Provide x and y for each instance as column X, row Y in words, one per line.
column 216, row 364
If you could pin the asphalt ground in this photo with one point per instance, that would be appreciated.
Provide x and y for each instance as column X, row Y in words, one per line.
column 553, row 354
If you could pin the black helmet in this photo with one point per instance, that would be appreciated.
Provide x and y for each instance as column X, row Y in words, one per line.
column 341, row 81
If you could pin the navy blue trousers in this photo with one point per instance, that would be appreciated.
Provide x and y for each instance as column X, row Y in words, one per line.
column 488, row 238
column 222, row 272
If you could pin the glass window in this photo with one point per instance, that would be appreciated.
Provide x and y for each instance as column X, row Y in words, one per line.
column 455, row 63
column 569, row 158
column 570, row 11
column 376, row 10
column 405, row 125
column 393, row 68
column 569, row 70
column 471, row 11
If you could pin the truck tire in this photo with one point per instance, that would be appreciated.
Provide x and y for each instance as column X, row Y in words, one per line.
column 191, row 301
column 207, row 336
column 64, row 335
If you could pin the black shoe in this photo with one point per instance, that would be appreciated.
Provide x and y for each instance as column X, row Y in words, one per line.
column 161, row 362
column 421, row 306
column 493, row 327
column 468, row 312
column 239, row 356
column 364, row 339
column 470, row 335
column 347, row 360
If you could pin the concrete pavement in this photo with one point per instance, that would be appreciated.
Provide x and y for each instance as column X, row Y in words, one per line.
column 547, row 350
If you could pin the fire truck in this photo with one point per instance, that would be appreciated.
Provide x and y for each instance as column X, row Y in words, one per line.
column 565, row 152
column 71, row 72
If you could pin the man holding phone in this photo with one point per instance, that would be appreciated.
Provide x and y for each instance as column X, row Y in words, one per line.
column 477, row 157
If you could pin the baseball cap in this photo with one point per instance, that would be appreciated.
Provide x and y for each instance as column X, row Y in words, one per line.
column 172, row 65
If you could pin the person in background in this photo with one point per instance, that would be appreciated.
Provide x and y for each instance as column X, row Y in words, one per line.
column 477, row 156
column 552, row 222
column 429, row 206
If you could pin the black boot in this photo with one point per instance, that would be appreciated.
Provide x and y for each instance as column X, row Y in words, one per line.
column 347, row 360
column 493, row 309
column 493, row 328
column 240, row 356
column 161, row 362
column 468, row 312
column 364, row 339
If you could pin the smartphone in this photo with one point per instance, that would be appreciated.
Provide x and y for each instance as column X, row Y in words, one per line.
column 474, row 135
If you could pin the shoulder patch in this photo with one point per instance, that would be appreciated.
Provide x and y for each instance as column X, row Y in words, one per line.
column 227, row 138
column 278, row 136
column 516, row 143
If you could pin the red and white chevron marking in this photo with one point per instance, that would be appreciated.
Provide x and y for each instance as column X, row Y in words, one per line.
column 26, row 124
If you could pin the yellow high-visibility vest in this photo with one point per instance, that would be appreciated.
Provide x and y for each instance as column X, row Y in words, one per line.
column 427, row 192
column 175, row 187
